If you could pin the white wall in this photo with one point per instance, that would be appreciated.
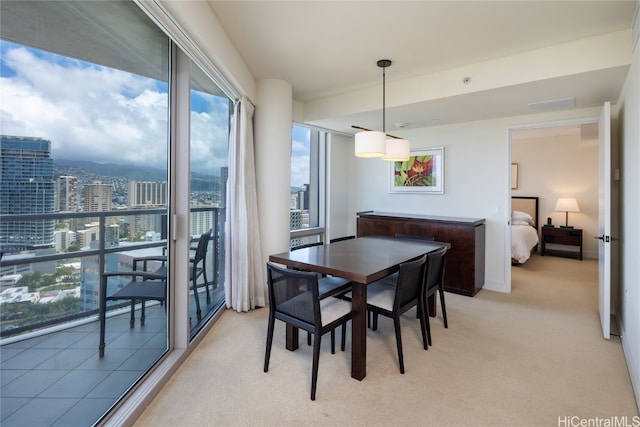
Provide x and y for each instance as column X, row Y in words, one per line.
column 561, row 166
column 339, row 151
column 477, row 185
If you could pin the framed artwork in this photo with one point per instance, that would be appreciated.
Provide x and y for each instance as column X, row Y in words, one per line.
column 514, row 176
column 422, row 173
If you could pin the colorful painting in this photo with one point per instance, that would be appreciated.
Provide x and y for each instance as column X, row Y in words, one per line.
column 422, row 173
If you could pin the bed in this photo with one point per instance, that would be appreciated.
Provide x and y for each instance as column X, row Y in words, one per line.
column 524, row 228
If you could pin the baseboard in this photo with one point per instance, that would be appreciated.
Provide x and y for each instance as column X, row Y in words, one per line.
column 632, row 360
column 495, row 286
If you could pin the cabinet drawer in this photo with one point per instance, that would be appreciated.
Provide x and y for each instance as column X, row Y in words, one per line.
column 563, row 240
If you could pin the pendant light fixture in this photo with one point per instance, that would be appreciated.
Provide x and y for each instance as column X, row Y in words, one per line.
column 369, row 143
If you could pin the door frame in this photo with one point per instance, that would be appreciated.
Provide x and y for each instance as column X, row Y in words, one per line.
column 507, row 213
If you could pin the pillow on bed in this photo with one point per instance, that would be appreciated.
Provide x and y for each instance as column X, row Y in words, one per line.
column 521, row 215
column 516, row 221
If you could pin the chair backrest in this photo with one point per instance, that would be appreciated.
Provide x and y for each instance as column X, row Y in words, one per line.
column 203, row 244
column 434, row 274
column 294, row 295
column 410, row 283
column 308, row 245
column 339, row 239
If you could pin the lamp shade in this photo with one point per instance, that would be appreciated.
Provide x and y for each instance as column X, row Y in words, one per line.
column 397, row 150
column 370, row 144
column 567, row 204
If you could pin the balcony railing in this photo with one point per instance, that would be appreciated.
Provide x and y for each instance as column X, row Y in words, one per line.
column 103, row 249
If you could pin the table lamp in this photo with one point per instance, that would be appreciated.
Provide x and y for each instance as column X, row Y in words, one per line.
column 566, row 205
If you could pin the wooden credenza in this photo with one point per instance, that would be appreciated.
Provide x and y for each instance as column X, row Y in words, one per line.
column 464, row 272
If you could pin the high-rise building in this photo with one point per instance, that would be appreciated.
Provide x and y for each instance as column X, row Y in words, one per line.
column 303, row 198
column 27, row 186
column 147, row 194
column 97, row 197
column 67, row 193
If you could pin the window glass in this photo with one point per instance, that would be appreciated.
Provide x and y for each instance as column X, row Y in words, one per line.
column 306, row 188
column 84, row 110
column 210, row 115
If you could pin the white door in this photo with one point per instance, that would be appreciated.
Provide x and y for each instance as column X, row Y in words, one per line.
column 604, row 220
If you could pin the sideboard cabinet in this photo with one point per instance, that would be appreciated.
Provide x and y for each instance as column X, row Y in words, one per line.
column 464, row 273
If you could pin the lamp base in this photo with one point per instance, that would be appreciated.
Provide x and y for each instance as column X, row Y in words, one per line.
column 566, row 226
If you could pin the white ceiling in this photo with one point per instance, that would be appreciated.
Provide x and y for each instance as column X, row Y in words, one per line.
column 327, row 48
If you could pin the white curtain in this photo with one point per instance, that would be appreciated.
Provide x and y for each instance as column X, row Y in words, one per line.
column 245, row 282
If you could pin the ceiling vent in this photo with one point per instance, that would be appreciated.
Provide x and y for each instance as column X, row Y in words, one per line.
column 553, row 104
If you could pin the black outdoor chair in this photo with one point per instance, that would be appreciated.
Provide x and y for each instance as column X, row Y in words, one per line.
column 295, row 300
column 199, row 268
column 143, row 286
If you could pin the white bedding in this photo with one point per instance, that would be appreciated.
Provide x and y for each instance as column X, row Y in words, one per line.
column 523, row 239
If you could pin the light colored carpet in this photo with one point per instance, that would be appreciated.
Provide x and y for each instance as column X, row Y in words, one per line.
column 529, row 358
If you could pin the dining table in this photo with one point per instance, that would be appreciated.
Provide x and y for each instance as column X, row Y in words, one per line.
column 362, row 260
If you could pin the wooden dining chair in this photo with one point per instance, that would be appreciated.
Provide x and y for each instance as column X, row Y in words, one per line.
column 339, row 239
column 328, row 286
column 434, row 282
column 294, row 299
column 393, row 299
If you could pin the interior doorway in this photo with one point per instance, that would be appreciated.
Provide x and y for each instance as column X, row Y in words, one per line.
column 553, row 161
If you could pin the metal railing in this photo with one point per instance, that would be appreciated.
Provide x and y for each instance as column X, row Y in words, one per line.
column 100, row 248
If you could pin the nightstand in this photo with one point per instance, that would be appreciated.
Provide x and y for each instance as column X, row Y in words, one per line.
column 561, row 236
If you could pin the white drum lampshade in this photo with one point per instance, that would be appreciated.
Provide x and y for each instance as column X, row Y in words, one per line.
column 370, row 144
column 397, row 150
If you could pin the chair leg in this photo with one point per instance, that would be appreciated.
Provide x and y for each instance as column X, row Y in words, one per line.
column 423, row 326
column 308, row 338
column 316, row 357
column 267, row 352
column 195, row 296
column 206, row 282
column 444, row 308
column 344, row 336
column 142, row 314
column 375, row 321
column 333, row 341
column 396, row 324
column 132, row 319
column 426, row 318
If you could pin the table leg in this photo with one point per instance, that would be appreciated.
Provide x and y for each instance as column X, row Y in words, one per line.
column 292, row 337
column 359, row 331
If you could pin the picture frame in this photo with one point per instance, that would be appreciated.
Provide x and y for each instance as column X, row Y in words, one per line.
column 422, row 173
column 514, row 176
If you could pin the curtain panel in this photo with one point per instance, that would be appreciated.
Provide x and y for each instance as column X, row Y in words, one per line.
column 245, row 283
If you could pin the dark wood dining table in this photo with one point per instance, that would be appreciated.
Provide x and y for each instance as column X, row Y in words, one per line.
column 362, row 260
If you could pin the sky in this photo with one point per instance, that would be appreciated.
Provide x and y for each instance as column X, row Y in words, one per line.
column 300, row 137
column 91, row 112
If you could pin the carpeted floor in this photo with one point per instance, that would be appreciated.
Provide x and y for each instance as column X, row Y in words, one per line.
column 535, row 357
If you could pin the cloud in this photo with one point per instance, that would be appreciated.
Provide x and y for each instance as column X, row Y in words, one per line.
column 90, row 112
column 300, row 155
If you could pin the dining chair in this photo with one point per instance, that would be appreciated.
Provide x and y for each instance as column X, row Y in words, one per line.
column 434, row 282
column 328, row 286
column 295, row 300
column 383, row 298
column 339, row 239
